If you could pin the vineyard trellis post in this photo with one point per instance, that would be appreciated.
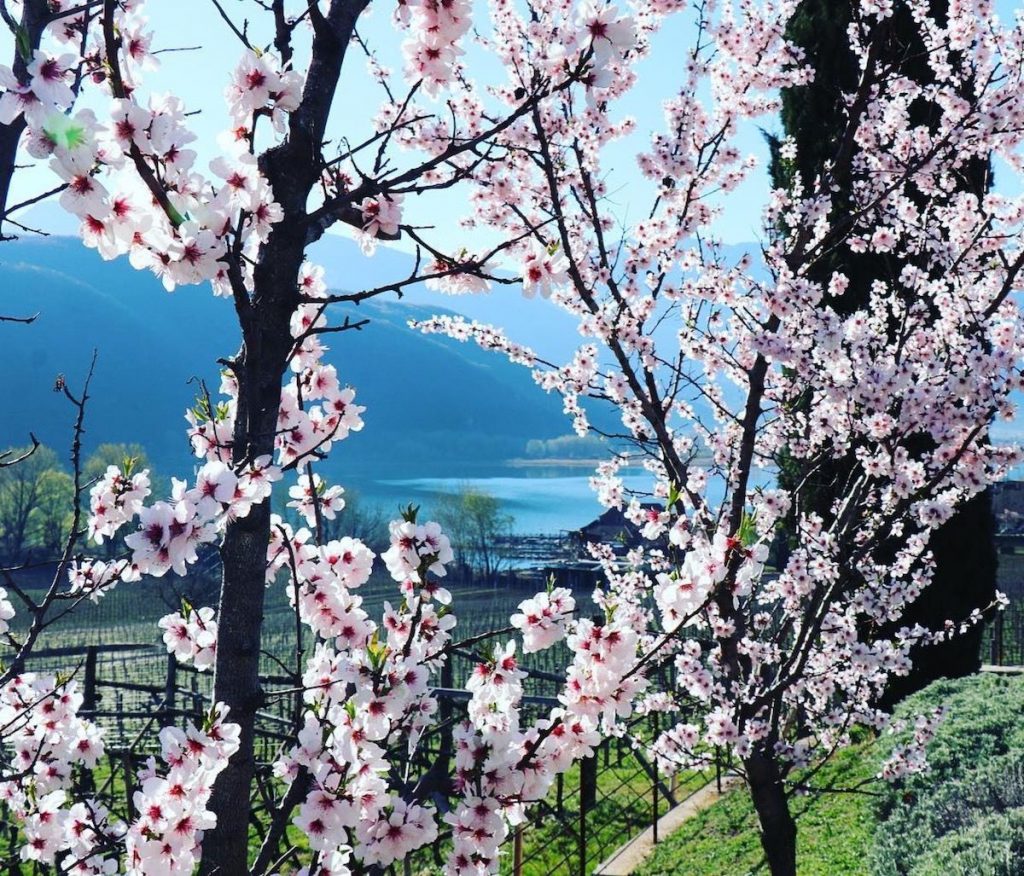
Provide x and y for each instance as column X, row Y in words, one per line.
column 197, row 697
column 167, row 716
column 129, row 784
column 997, row 640
column 654, row 786
column 588, row 799
column 446, row 744
column 89, row 687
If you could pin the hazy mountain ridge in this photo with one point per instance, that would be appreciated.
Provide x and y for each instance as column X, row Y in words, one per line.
column 430, row 402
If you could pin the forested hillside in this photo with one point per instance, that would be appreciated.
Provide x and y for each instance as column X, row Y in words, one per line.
column 154, row 347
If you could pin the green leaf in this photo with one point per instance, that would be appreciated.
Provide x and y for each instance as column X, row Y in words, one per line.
column 64, row 132
column 748, row 530
column 23, row 44
column 210, row 718
column 175, row 217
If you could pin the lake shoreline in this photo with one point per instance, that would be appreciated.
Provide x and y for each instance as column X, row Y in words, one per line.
column 522, row 462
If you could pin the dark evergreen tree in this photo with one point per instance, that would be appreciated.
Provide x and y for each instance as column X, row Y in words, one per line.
column 813, row 116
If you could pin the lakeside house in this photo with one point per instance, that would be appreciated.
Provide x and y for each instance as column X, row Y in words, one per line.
column 1008, row 505
column 613, row 528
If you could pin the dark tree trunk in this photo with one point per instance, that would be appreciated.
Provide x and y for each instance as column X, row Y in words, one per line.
column 262, row 361
column 237, row 685
column 778, row 829
column 813, row 115
column 34, row 16
column 292, row 168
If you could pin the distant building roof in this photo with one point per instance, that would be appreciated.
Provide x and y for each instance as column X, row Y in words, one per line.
column 613, row 527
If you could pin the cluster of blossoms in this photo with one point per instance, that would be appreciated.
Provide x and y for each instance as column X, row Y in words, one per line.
column 172, row 805
column 95, row 578
column 44, row 739
column 170, row 532
column 197, row 218
column 316, row 409
column 321, row 580
column 461, row 276
column 381, row 218
column 608, row 37
column 497, row 687
column 259, row 86
column 302, row 432
column 115, row 499
column 485, row 336
column 909, row 758
column 310, row 492
column 191, row 636
column 541, row 620
column 543, row 272
column 602, row 682
column 502, row 767
column 366, row 692
column 478, row 830
column 682, row 593
column 435, row 31
column 414, row 547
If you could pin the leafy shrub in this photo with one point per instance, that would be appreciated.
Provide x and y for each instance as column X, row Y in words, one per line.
column 963, row 818
column 965, row 815
column 992, row 846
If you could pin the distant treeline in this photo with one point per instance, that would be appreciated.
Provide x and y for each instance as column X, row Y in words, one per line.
column 567, row 447
column 37, row 496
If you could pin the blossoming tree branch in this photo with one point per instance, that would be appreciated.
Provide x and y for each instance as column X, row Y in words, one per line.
column 698, row 350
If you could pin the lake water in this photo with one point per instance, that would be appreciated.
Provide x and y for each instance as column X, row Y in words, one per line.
column 539, row 505
column 541, row 500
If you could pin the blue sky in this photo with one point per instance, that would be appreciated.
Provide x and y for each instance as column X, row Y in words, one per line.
column 199, row 77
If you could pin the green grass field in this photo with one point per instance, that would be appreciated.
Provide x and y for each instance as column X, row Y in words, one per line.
column 841, row 833
column 723, row 839
column 129, row 614
column 550, row 843
column 965, row 817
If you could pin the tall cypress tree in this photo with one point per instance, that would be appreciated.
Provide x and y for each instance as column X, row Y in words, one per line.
column 813, row 116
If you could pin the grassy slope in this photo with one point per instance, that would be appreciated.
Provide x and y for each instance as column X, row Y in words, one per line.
column 837, row 832
column 723, row 840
